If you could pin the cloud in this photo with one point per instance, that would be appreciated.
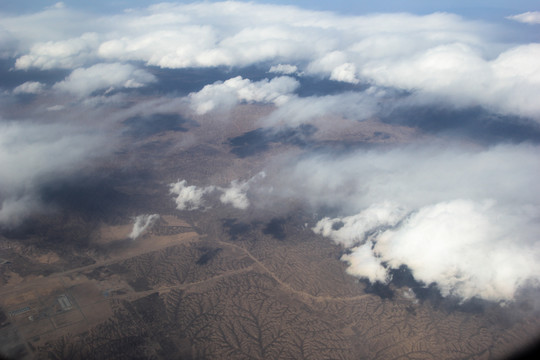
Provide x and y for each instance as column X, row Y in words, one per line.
column 463, row 218
column 390, row 204
column 67, row 54
column 468, row 248
column 529, row 17
column 189, row 197
column 192, row 197
column 236, row 193
column 142, row 222
column 56, row 108
column 345, row 72
column 458, row 75
column 33, row 155
column 59, row 5
column 225, row 95
column 8, row 44
column 29, row 87
column 284, row 69
column 365, row 264
column 14, row 210
column 85, row 81
column 437, row 58
column 413, row 175
column 351, row 230
column 352, row 105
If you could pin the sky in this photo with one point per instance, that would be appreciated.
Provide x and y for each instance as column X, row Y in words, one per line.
column 456, row 84
column 476, row 9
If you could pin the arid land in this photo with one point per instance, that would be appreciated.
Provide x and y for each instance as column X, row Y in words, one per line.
column 219, row 283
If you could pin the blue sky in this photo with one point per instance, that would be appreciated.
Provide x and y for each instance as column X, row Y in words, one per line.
column 477, row 9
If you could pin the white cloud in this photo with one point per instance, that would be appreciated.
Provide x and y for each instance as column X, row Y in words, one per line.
column 414, row 176
column 35, row 154
column 83, row 82
column 192, row 197
column 392, row 203
column 191, row 45
column 345, row 72
column 457, row 74
column 69, row 54
column 236, row 193
column 468, row 248
column 52, row 25
column 58, row 5
column 56, row 108
column 364, row 263
column 438, row 57
column 529, row 17
column 351, row 230
column 356, row 106
column 142, row 222
column 466, row 219
column 189, row 197
column 284, row 69
column 224, row 95
column 29, row 87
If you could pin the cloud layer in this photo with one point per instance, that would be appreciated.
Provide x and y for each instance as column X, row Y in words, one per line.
column 436, row 58
column 465, row 219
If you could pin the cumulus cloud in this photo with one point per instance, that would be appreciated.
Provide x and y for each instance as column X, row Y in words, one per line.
column 189, row 197
column 192, row 197
column 29, row 87
column 345, row 72
column 236, row 193
column 468, row 248
column 465, row 219
column 225, row 95
column 142, row 222
column 364, row 263
column 457, row 74
column 437, row 57
column 35, row 154
column 351, row 230
column 84, row 81
column 529, row 17
column 68, row 54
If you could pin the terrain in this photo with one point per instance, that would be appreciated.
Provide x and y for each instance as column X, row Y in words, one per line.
column 218, row 282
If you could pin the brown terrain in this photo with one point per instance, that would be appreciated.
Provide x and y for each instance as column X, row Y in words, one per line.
column 220, row 283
